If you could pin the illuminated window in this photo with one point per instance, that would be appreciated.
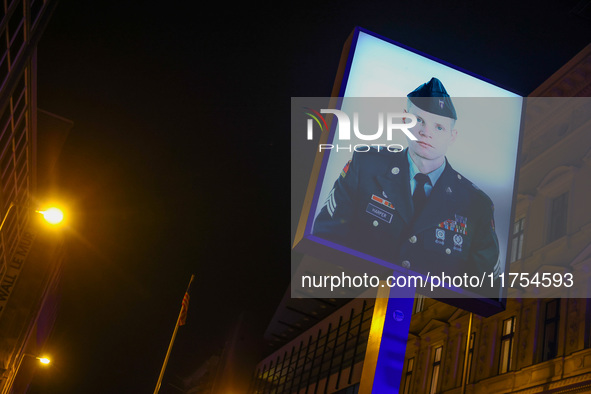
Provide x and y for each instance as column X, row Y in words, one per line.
column 517, row 240
column 551, row 317
column 470, row 354
column 419, row 303
column 506, row 345
column 408, row 377
column 435, row 370
column 558, row 216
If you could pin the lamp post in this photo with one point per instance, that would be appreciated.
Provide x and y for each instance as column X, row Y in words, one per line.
column 10, row 383
column 52, row 215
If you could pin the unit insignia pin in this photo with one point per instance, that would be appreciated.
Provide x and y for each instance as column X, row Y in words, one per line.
column 440, row 236
column 458, row 240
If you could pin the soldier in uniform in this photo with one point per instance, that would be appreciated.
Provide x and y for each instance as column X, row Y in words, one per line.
column 411, row 207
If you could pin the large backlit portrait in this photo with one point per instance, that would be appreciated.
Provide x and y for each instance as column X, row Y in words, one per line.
column 418, row 171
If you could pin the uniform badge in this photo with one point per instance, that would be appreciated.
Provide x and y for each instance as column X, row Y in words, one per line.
column 439, row 236
column 461, row 224
column 449, row 224
column 379, row 213
column 448, row 190
column 458, row 240
column 382, row 201
column 345, row 169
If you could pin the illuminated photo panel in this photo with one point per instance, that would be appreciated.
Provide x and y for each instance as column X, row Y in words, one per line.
column 418, row 170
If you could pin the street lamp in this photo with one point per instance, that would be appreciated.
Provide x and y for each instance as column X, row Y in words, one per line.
column 52, row 215
column 10, row 383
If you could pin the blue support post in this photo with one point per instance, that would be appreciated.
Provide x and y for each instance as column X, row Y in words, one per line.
column 386, row 348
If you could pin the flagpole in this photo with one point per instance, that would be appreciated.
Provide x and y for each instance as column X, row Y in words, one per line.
column 176, row 328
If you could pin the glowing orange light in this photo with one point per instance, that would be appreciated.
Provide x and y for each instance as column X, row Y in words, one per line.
column 53, row 215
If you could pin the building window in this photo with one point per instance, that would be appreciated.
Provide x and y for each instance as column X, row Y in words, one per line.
column 517, row 240
column 506, row 345
column 349, row 390
column 408, row 377
column 419, row 303
column 435, row 370
column 551, row 317
column 558, row 216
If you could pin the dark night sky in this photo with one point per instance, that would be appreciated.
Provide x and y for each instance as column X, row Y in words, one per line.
column 178, row 162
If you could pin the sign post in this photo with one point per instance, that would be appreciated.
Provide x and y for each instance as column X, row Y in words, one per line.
column 386, row 346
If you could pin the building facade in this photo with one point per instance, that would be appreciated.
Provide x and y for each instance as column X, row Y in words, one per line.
column 538, row 344
column 30, row 256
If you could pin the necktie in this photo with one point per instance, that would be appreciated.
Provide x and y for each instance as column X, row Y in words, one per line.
column 419, row 198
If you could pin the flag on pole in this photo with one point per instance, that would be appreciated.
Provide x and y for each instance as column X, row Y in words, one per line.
column 181, row 320
column 184, row 309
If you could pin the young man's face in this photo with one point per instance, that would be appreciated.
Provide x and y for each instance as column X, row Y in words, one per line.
column 434, row 133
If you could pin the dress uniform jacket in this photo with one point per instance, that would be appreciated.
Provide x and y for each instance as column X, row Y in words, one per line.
column 370, row 210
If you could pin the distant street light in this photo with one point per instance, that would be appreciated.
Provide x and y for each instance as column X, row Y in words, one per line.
column 43, row 360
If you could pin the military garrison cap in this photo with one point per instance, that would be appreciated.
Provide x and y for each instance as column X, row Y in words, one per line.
column 432, row 97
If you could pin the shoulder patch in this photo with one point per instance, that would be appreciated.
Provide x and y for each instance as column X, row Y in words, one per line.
column 345, row 169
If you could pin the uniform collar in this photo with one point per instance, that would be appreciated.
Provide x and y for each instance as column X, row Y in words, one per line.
column 433, row 175
column 446, row 199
